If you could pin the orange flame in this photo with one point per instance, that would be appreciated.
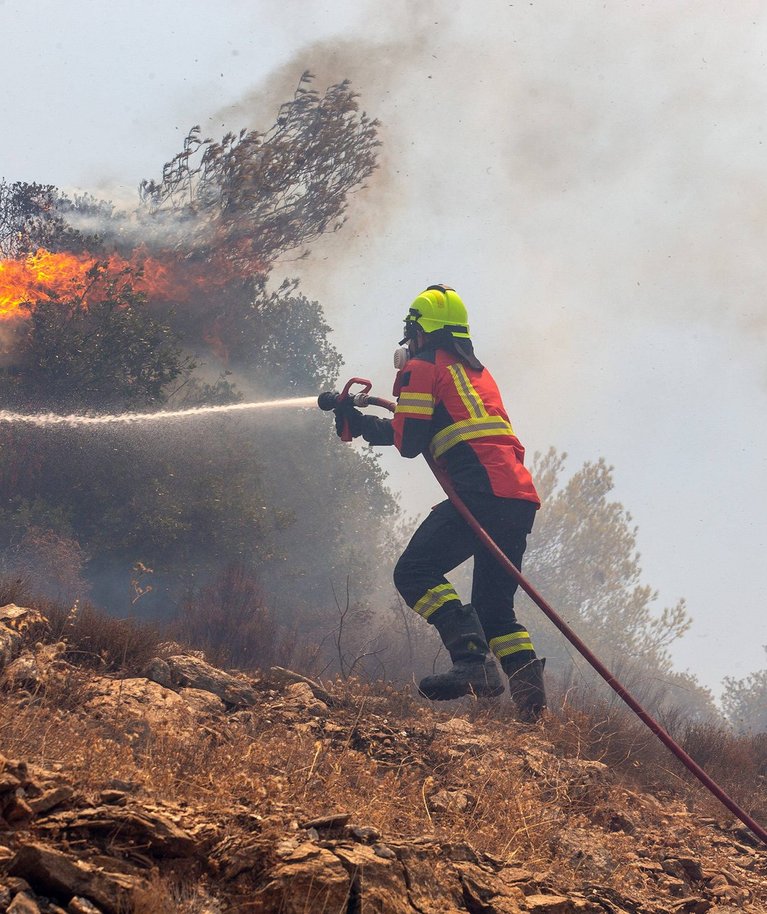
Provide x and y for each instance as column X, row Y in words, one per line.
column 46, row 275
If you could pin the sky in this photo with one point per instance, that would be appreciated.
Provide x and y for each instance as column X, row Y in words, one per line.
column 590, row 177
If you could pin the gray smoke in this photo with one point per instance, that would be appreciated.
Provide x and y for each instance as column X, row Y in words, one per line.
column 592, row 181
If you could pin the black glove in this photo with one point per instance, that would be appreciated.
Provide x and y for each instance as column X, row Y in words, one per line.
column 349, row 414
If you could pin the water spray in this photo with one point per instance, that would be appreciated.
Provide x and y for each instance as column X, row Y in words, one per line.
column 47, row 419
column 331, row 400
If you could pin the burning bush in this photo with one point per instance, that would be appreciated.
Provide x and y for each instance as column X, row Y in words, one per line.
column 104, row 309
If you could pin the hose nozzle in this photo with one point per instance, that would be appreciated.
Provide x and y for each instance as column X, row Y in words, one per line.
column 328, row 399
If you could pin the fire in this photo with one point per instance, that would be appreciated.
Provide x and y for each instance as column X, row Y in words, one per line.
column 63, row 275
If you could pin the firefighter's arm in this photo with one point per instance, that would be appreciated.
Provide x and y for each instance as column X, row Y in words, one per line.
column 415, row 407
column 377, row 431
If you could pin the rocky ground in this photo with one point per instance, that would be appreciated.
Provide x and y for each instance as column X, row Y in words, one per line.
column 188, row 789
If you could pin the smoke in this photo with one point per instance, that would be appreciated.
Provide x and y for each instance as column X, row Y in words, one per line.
column 586, row 168
column 130, row 227
column 592, row 181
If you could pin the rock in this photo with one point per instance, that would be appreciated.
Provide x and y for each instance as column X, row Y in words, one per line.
column 586, row 851
column 674, row 886
column 23, row 673
column 618, row 821
column 483, row 891
column 21, row 618
column 692, row 906
column 311, row 878
column 16, row 884
column 202, row 701
column 113, row 797
column 561, row 904
column 452, row 801
column 8, row 782
column 52, row 872
column 611, row 900
column 384, row 851
column 583, row 780
column 124, row 786
column 33, row 670
column 692, row 868
column 151, row 704
column 335, row 820
column 377, row 880
column 148, row 830
column 157, row 670
column 192, row 672
column 235, row 855
column 288, row 676
column 433, row 885
column 17, row 811
column 79, row 905
column 456, row 726
column 52, row 798
column 23, row 904
column 10, row 645
column 300, row 697
column 365, row 833
column 461, row 734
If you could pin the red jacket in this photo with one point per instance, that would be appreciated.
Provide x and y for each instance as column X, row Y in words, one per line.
column 458, row 414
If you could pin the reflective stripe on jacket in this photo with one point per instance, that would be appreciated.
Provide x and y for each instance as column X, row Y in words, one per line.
column 458, row 414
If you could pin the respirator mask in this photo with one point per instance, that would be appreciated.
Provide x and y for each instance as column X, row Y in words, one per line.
column 403, row 353
column 401, row 357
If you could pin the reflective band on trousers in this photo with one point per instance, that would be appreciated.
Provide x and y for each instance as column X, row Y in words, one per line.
column 431, row 601
column 466, row 430
column 511, row 644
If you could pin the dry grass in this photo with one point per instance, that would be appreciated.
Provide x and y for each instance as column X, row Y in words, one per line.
column 98, row 641
column 383, row 758
column 230, row 621
column 466, row 772
column 608, row 731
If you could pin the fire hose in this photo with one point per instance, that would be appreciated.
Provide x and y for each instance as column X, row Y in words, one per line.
column 333, row 400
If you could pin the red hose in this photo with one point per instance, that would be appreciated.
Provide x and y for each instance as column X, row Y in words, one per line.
column 579, row 645
column 671, row 744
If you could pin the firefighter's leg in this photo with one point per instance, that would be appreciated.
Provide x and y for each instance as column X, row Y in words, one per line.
column 493, row 595
column 442, row 542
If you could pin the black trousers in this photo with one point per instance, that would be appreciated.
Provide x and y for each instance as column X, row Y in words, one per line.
column 444, row 540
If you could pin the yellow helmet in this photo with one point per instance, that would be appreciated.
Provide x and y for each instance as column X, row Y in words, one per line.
column 438, row 307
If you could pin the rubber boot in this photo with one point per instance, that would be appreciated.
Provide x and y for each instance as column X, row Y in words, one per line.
column 473, row 670
column 526, row 685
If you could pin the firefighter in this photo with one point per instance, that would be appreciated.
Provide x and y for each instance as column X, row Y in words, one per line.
column 449, row 404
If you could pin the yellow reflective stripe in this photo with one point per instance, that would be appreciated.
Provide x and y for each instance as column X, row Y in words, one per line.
column 466, row 430
column 419, row 398
column 437, row 596
column 414, row 410
column 511, row 644
column 415, row 404
column 469, row 396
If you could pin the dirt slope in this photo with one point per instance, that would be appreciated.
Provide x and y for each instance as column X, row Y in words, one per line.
column 188, row 789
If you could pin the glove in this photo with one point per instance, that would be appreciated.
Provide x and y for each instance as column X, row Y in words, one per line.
column 348, row 413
